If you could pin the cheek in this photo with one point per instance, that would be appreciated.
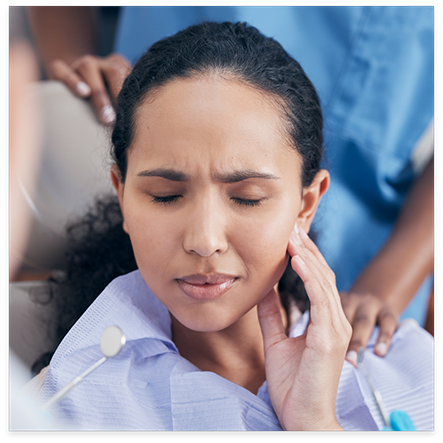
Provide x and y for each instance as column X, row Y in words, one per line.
column 151, row 238
column 262, row 243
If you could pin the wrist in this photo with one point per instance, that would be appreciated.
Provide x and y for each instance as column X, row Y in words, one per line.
column 320, row 425
column 334, row 427
column 388, row 298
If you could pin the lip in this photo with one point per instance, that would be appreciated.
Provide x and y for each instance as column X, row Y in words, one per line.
column 206, row 287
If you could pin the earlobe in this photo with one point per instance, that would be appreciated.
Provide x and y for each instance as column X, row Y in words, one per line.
column 119, row 188
column 311, row 199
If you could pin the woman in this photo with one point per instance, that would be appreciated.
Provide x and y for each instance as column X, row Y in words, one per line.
column 217, row 147
column 373, row 70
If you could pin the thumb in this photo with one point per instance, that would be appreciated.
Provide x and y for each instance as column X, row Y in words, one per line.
column 271, row 323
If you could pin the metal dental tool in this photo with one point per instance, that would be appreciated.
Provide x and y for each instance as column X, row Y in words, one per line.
column 111, row 342
column 397, row 420
column 375, row 392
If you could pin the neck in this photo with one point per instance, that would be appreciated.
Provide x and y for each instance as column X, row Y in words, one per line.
column 235, row 353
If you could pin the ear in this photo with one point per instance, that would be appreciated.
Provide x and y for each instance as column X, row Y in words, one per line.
column 311, row 198
column 119, row 187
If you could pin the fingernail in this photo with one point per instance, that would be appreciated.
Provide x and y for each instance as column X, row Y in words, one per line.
column 351, row 356
column 294, row 235
column 107, row 114
column 299, row 259
column 83, row 88
column 381, row 348
column 303, row 232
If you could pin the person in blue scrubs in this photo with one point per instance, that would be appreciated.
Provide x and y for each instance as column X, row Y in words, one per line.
column 373, row 70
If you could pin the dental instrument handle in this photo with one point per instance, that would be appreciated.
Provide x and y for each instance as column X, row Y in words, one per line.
column 401, row 421
column 378, row 399
column 382, row 408
column 60, row 394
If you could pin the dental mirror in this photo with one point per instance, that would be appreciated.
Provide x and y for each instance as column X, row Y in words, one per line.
column 111, row 342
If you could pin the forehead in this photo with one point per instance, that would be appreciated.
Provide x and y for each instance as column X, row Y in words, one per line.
column 211, row 116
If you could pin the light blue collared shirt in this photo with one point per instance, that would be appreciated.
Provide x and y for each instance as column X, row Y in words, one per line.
column 149, row 386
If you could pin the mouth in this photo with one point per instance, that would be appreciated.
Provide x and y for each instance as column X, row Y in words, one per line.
column 206, row 287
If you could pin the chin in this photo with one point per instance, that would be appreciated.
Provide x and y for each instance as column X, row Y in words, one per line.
column 209, row 320
column 218, row 315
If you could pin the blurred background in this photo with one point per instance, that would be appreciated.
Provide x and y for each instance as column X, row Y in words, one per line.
column 34, row 262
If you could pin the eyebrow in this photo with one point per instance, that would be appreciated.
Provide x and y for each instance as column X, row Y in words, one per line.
column 232, row 177
column 239, row 176
column 169, row 174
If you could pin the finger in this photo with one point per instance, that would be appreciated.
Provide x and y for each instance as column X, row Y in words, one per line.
column 388, row 323
column 115, row 69
column 270, row 319
column 322, row 281
column 327, row 316
column 319, row 290
column 321, row 271
column 301, row 244
column 60, row 70
column 89, row 69
column 317, row 276
column 296, row 246
column 307, row 241
column 362, row 326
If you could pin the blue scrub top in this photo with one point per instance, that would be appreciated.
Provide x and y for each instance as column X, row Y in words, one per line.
column 373, row 68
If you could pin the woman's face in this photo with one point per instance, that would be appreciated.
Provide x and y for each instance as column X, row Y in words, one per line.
column 210, row 198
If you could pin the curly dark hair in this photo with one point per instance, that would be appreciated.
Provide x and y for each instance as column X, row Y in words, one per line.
column 99, row 248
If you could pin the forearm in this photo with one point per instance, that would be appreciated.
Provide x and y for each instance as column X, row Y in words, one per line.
column 63, row 32
column 401, row 266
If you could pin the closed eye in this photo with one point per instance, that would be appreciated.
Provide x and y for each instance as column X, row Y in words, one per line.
column 166, row 199
column 247, row 202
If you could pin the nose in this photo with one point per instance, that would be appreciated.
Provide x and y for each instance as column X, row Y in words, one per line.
column 206, row 228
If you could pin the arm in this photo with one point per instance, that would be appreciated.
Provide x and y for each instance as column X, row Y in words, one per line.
column 63, row 32
column 393, row 277
column 67, row 38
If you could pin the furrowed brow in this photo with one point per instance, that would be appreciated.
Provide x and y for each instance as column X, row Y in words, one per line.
column 239, row 176
column 232, row 177
column 169, row 174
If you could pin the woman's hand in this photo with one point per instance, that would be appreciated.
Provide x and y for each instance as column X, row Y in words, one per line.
column 364, row 311
column 303, row 373
column 99, row 78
